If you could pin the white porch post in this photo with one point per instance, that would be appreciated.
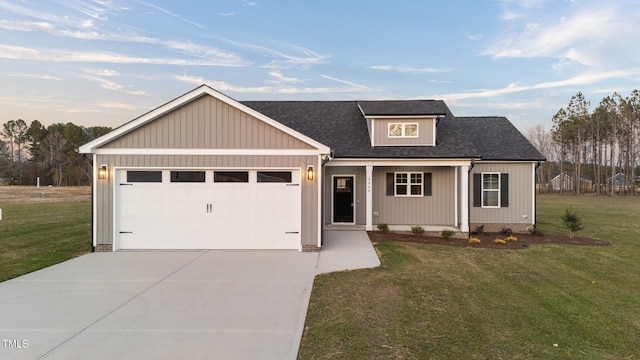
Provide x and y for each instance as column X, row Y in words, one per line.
column 464, row 198
column 369, row 199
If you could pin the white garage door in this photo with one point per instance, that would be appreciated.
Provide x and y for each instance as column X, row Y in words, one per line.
column 198, row 209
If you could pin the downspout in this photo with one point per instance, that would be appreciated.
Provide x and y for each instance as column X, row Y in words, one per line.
column 90, row 161
column 469, row 196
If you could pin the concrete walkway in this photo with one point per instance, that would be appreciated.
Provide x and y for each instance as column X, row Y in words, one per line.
column 171, row 305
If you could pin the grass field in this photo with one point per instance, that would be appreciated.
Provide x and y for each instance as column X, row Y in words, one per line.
column 441, row 302
column 36, row 234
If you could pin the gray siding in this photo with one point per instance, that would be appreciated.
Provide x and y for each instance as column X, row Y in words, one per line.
column 105, row 196
column 437, row 209
column 520, row 195
column 207, row 123
column 381, row 131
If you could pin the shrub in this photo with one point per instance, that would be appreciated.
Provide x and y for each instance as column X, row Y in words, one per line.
column 383, row 227
column 417, row 230
column 571, row 221
column 511, row 238
column 505, row 231
column 479, row 229
column 447, row 233
column 474, row 240
column 499, row 241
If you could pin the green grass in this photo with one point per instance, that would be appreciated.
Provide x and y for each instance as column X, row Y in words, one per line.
column 441, row 302
column 34, row 236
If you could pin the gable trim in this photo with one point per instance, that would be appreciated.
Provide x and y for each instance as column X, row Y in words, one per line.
column 202, row 90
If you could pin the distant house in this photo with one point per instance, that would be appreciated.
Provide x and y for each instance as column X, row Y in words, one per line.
column 205, row 171
column 619, row 181
column 567, row 183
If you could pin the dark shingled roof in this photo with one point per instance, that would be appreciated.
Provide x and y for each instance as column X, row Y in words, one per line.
column 404, row 107
column 342, row 126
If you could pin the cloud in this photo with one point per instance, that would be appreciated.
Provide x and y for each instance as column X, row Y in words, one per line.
column 228, row 14
column 102, row 72
column 50, row 55
column 407, row 69
column 284, row 89
column 182, row 47
column 34, row 76
column 280, row 78
column 110, row 85
column 354, row 85
column 583, row 79
column 167, row 12
column 592, row 35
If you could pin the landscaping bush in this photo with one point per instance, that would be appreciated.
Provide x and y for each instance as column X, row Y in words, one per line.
column 499, row 241
column 383, row 227
column 572, row 221
column 417, row 230
column 447, row 234
column 511, row 238
column 474, row 240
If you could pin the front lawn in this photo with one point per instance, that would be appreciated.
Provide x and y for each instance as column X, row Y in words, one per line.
column 36, row 235
column 445, row 302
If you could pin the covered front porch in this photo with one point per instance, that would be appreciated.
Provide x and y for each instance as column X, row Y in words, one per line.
column 361, row 194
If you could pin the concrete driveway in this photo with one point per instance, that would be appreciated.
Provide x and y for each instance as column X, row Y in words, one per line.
column 171, row 305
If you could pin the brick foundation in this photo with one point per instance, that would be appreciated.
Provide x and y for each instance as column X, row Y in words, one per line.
column 310, row 248
column 103, row 248
column 496, row 228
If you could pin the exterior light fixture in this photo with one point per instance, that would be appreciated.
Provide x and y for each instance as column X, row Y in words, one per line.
column 310, row 173
column 103, row 172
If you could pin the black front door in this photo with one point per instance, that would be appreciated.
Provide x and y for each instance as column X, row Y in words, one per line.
column 343, row 199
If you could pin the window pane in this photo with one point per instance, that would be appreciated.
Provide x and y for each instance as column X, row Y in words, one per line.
column 490, row 198
column 401, row 189
column 490, row 181
column 144, row 176
column 274, row 176
column 401, row 178
column 411, row 130
column 231, row 176
column 416, row 178
column 416, row 189
column 187, row 176
column 395, row 129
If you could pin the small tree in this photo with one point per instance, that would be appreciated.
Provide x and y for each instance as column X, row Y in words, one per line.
column 571, row 221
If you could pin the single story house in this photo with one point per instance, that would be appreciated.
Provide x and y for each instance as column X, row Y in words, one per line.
column 205, row 171
column 568, row 182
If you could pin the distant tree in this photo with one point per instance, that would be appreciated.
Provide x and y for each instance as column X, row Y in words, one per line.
column 542, row 140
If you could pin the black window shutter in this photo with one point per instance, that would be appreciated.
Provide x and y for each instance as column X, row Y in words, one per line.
column 504, row 190
column 426, row 184
column 477, row 190
column 390, row 184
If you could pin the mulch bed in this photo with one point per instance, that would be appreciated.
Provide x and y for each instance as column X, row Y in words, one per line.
column 524, row 240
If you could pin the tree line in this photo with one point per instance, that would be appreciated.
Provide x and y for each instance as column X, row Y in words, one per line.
column 591, row 151
column 29, row 152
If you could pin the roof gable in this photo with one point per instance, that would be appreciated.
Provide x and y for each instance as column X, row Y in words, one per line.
column 202, row 90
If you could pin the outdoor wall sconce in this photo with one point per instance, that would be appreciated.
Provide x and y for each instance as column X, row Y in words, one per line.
column 310, row 173
column 103, row 172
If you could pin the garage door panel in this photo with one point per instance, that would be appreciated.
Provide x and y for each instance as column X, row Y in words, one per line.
column 211, row 215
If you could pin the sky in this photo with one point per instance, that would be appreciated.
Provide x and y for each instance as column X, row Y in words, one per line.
column 105, row 62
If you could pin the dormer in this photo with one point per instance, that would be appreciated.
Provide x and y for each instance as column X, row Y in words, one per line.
column 403, row 123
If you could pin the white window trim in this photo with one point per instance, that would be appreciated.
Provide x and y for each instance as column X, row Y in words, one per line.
column 408, row 184
column 498, row 190
column 403, row 130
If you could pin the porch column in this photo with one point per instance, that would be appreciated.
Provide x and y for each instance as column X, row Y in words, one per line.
column 369, row 199
column 464, row 198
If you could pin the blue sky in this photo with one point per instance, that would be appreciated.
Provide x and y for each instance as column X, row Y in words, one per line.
column 103, row 63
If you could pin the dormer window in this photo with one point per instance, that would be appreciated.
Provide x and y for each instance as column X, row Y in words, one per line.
column 403, row 130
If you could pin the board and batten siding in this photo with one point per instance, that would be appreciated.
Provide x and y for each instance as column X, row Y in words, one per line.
column 437, row 209
column 207, row 123
column 381, row 132
column 521, row 199
column 105, row 196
